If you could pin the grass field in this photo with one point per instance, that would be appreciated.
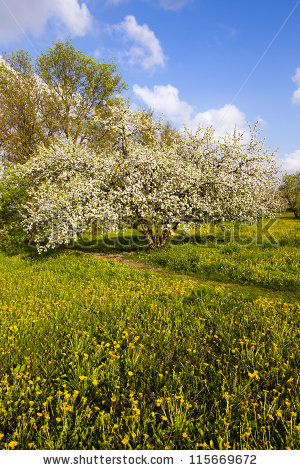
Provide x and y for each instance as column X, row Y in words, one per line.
column 252, row 257
column 98, row 355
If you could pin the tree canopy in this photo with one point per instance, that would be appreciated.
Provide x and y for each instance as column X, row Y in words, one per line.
column 145, row 182
column 57, row 94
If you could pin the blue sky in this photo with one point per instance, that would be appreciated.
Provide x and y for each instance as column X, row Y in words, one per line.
column 196, row 61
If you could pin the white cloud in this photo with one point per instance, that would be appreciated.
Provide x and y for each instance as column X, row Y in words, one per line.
column 296, row 94
column 173, row 4
column 224, row 119
column 31, row 16
column 296, row 97
column 291, row 161
column 75, row 16
column 296, row 77
column 146, row 49
column 165, row 99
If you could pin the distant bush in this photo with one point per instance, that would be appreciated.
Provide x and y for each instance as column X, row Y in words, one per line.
column 290, row 190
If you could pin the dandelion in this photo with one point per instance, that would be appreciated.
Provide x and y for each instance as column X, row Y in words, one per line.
column 184, row 435
column 95, row 382
column 125, row 440
column 82, row 377
column 12, row 444
column 130, row 373
column 254, row 375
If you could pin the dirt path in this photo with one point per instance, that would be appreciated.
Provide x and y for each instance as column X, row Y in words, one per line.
column 120, row 258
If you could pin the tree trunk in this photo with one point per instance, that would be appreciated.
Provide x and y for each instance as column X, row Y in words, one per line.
column 153, row 239
column 148, row 234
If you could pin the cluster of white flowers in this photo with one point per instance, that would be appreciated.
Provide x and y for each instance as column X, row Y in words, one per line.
column 146, row 182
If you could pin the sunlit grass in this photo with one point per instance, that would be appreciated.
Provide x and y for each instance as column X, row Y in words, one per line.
column 94, row 354
column 249, row 256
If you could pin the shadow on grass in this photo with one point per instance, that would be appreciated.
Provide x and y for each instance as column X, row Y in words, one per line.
column 111, row 244
column 116, row 243
column 128, row 242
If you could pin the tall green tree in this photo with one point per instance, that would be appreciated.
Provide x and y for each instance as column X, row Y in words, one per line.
column 25, row 117
column 290, row 190
column 58, row 94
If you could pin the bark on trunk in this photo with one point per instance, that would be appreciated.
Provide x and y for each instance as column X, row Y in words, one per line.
column 153, row 238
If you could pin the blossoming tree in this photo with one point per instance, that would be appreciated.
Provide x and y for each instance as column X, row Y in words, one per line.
column 146, row 181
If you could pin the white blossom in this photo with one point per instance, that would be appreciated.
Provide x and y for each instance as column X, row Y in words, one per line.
column 146, row 183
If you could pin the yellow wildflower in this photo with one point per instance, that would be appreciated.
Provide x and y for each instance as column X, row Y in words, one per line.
column 254, row 375
column 12, row 444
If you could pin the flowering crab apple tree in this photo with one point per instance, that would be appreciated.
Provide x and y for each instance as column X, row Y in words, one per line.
column 145, row 181
column 67, row 189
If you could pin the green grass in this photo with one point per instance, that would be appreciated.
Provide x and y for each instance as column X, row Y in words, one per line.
column 273, row 264
column 99, row 355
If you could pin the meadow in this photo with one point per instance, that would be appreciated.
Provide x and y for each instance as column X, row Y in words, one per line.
column 95, row 354
column 265, row 255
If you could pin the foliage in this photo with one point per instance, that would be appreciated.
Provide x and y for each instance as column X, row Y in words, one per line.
column 290, row 190
column 146, row 183
column 25, row 117
column 57, row 94
column 80, row 89
column 13, row 194
column 100, row 355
